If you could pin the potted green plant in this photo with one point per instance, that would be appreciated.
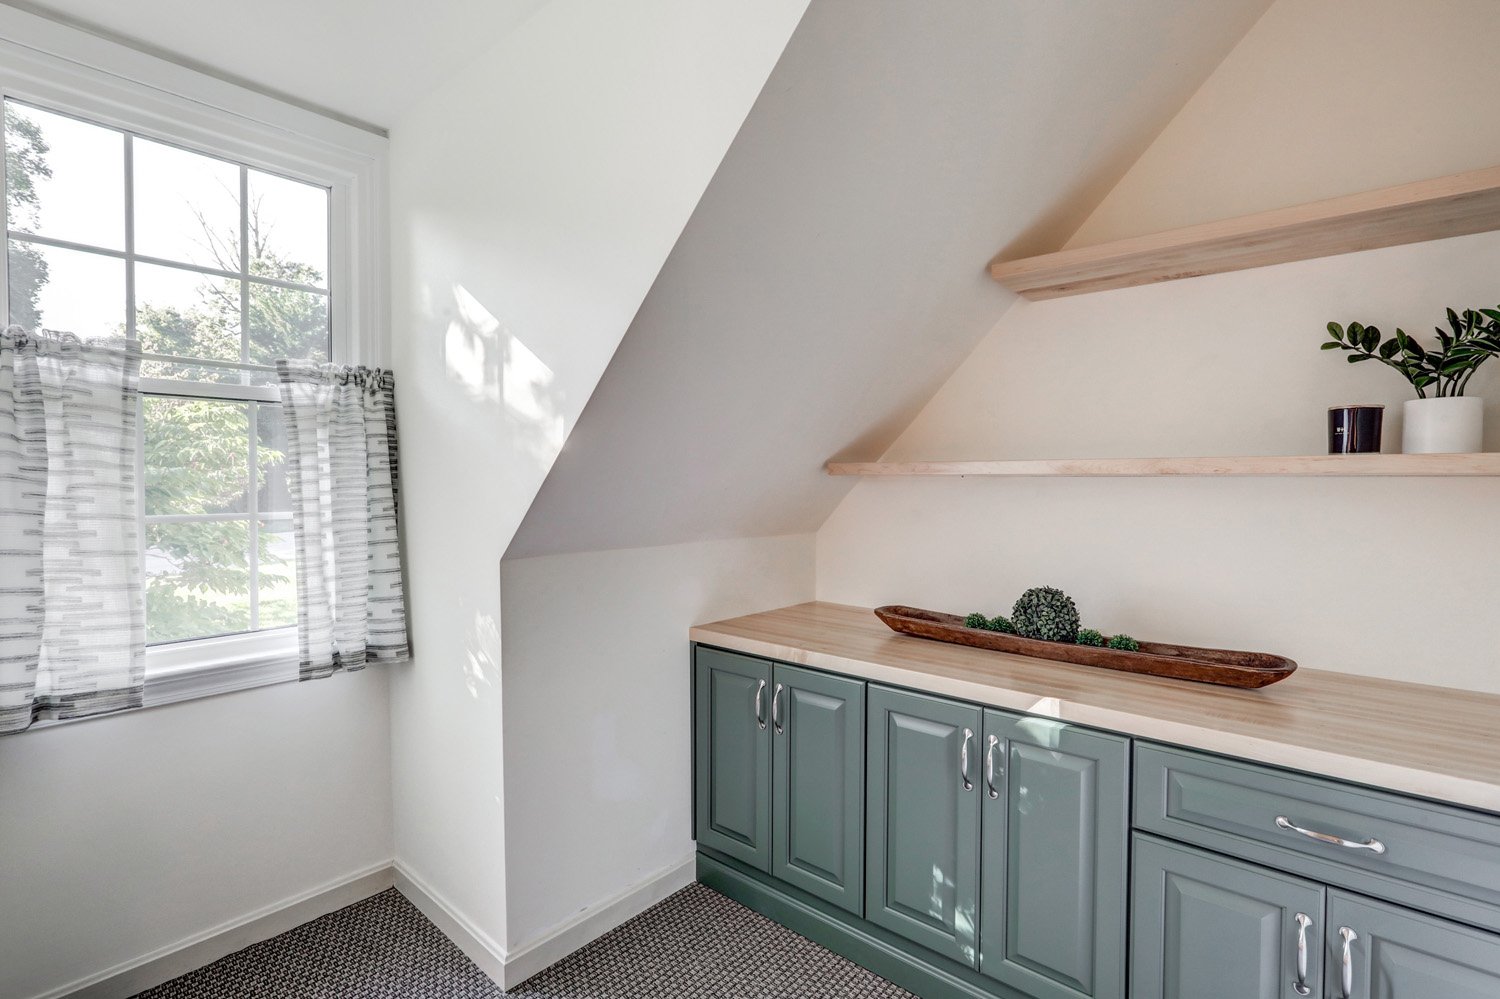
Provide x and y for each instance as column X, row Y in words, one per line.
column 1441, row 419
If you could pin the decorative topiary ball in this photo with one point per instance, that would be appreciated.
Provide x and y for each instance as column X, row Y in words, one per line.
column 1001, row 624
column 976, row 620
column 1124, row 643
column 1088, row 636
column 1046, row 613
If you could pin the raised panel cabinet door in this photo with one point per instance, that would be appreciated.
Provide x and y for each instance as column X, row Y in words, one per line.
column 1055, row 827
column 732, row 746
column 922, row 850
column 1394, row 953
column 1207, row 927
column 818, row 784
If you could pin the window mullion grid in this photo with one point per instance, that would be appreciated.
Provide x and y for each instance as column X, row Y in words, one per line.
column 253, row 409
column 142, row 541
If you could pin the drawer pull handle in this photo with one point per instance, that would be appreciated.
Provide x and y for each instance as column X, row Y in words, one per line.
column 989, row 766
column 760, row 705
column 776, row 709
column 963, row 759
column 1300, row 985
column 1373, row 845
column 1347, row 969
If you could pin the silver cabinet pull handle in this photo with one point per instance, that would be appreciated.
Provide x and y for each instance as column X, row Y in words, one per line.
column 1300, row 985
column 760, row 708
column 1349, row 936
column 776, row 709
column 963, row 759
column 989, row 765
column 1373, row 845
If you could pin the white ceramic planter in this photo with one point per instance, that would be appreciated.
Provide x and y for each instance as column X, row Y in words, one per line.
column 1443, row 426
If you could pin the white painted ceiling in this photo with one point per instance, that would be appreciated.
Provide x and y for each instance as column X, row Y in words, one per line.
column 833, row 274
column 364, row 60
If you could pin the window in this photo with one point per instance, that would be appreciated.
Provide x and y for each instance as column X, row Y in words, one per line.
column 217, row 269
column 220, row 241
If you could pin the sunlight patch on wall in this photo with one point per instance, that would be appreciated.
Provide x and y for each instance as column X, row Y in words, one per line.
column 482, row 662
column 492, row 365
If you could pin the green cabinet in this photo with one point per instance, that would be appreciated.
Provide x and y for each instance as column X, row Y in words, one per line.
column 922, row 863
column 1381, row 951
column 818, row 784
column 732, row 743
column 1205, row 925
column 1055, row 837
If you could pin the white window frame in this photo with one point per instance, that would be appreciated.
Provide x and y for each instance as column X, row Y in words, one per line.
column 60, row 68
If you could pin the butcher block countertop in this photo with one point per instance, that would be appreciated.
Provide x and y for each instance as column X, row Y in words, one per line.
column 1435, row 742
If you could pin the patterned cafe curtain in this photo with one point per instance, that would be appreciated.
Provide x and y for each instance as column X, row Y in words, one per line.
column 341, row 472
column 72, row 608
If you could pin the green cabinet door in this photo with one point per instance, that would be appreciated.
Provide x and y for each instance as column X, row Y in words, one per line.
column 1394, row 953
column 922, row 850
column 1207, row 927
column 732, row 747
column 818, row 787
column 1056, row 827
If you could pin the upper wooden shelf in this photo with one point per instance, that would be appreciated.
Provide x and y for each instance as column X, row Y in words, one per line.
column 1457, row 205
column 1317, row 464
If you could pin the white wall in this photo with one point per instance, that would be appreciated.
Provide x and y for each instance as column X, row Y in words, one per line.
column 597, row 734
column 127, row 835
column 1391, row 578
column 534, row 197
column 1322, row 98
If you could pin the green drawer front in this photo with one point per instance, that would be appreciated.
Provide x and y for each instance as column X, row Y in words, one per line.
column 1437, row 857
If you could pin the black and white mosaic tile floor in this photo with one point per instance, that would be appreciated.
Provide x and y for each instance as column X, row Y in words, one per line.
column 695, row 945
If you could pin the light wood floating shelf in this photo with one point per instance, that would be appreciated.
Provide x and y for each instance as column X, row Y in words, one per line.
column 1457, row 205
column 1317, row 464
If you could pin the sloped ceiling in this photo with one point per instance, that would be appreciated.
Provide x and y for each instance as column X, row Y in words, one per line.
column 833, row 273
column 364, row 60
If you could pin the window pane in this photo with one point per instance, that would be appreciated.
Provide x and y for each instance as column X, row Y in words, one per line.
column 270, row 443
column 288, row 230
column 197, row 456
column 278, row 575
column 67, row 291
column 187, row 314
column 285, row 323
column 197, row 580
column 187, row 206
column 65, row 178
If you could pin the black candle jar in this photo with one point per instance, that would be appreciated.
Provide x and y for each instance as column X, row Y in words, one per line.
column 1355, row 429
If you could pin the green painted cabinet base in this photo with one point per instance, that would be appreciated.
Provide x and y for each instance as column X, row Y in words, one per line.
column 818, row 784
column 886, row 954
column 732, row 742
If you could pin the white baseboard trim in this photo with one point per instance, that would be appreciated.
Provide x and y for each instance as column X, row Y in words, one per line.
column 554, row 944
column 193, row 952
column 477, row 945
column 510, row 968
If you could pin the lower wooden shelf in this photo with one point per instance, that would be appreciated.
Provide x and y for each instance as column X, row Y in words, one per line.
column 1486, row 464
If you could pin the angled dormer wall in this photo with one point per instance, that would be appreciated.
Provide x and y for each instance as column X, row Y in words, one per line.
column 831, row 276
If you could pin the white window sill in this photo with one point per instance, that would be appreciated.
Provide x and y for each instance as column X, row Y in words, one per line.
column 183, row 671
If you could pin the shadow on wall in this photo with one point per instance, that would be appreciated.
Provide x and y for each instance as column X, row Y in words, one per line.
column 492, row 365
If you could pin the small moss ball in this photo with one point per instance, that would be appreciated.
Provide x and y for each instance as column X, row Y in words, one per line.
column 976, row 620
column 1002, row 624
column 1088, row 636
column 1046, row 613
column 1124, row 643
